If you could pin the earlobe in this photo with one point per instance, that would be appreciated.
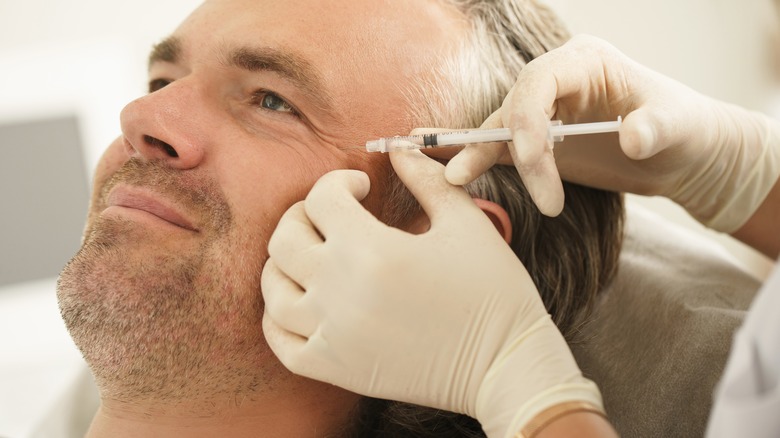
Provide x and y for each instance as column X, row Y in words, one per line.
column 498, row 216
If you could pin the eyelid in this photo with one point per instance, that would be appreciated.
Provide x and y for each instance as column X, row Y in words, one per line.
column 257, row 98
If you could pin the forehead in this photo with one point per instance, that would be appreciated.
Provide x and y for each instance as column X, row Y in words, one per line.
column 330, row 25
column 365, row 51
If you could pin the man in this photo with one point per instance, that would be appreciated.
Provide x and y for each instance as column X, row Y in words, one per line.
column 250, row 102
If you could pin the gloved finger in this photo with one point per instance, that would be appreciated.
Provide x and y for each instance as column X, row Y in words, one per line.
column 293, row 244
column 328, row 360
column 285, row 302
column 527, row 114
column 649, row 130
column 313, row 358
column 476, row 159
column 531, row 149
column 305, row 357
column 527, row 110
column 544, row 184
column 424, row 178
column 285, row 345
column 333, row 203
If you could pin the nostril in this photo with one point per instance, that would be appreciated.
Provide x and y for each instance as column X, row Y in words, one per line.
column 151, row 141
column 170, row 150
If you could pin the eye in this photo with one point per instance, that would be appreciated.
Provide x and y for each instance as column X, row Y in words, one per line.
column 270, row 101
column 157, row 84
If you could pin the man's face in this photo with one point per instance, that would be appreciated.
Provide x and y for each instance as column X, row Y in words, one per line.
column 250, row 102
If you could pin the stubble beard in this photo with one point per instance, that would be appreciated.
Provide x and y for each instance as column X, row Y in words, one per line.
column 157, row 323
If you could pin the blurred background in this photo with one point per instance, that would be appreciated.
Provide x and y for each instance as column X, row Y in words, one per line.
column 68, row 67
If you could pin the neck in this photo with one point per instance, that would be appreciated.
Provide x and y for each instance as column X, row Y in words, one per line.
column 304, row 409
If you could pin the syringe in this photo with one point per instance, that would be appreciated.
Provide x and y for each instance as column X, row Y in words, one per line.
column 556, row 132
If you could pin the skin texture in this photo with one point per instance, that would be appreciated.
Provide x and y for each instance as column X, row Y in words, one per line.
column 164, row 297
column 580, row 424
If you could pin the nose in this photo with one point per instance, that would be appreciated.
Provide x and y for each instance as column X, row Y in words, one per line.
column 164, row 125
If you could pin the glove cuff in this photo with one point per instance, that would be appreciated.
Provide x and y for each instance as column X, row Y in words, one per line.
column 554, row 403
column 553, row 413
column 533, row 373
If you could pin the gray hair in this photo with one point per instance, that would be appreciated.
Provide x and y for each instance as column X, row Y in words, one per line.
column 504, row 36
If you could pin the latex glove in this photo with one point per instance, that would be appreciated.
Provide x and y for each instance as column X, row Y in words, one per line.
column 716, row 160
column 448, row 319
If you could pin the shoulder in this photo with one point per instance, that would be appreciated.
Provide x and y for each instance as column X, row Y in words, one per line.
column 658, row 338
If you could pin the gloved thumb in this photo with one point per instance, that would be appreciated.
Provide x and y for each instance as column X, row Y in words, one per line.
column 651, row 129
column 644, row 133
column 333, row 204
column 424, row 177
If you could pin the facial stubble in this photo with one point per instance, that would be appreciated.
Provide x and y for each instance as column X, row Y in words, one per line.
column 168, row 319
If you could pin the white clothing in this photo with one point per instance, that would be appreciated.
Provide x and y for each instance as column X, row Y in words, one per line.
column 747, row 401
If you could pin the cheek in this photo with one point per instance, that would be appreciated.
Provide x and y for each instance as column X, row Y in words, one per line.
column 112, row 159
column 379, row 169
column 262, row 184
column 262, row 188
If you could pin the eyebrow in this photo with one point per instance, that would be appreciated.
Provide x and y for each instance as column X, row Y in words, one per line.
column 167, row 50
column 291, row 66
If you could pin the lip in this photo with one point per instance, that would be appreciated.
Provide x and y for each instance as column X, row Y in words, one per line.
column 143, row 200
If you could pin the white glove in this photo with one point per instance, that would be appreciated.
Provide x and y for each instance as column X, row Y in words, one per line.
column 448, row 318
column 716, row 160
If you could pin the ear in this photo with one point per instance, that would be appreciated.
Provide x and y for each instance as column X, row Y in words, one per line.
column 498, row 216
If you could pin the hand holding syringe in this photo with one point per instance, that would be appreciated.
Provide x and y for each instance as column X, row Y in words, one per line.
column 556, row 132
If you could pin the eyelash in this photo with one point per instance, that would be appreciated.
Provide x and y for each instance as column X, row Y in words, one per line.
column 257, row 99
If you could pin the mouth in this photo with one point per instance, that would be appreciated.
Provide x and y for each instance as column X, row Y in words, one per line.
column 133, row 200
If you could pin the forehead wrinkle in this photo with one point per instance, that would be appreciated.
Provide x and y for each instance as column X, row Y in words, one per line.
column 291, row 66
column 167, row 50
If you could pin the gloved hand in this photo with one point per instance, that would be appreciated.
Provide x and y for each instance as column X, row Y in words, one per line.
column 448, row 318
column 716, row 160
